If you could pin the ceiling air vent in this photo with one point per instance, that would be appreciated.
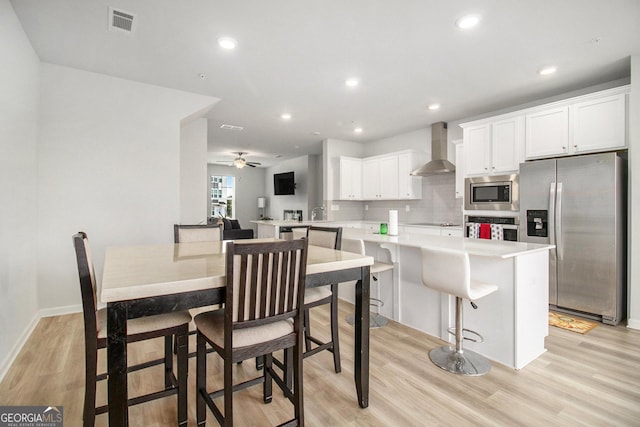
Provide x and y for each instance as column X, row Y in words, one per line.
column 121, row 21
column 231, row 127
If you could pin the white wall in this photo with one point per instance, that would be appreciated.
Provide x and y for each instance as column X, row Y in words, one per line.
column 193, row 172
column 419, row 140
column 305, row 177
column 634, row 197
column 109, row 164
column 250, row 184
column 20, row 91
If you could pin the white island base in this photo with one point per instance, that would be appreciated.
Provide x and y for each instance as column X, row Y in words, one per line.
column 513, row 320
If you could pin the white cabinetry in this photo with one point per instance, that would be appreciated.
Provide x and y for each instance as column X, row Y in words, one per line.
column 598, row 124
column 585, row 124
column 432, row 231
column 492, row 147
column 385, row 177
column 380, row 178
column 350, row 178
column 372, row 181
column 460, row 168
column 547, row 133
column 476, row 149
column 409, row 187
column 452, row 232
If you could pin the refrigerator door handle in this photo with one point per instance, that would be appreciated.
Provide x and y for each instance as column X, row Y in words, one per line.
column 558, row 221
column 552, row 209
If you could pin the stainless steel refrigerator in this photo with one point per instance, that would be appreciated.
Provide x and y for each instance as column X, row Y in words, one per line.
column 579, row 205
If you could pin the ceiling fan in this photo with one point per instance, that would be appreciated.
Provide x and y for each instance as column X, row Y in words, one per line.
column 240, row 162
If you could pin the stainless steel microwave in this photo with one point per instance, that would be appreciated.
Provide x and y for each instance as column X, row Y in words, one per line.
column 492, row 193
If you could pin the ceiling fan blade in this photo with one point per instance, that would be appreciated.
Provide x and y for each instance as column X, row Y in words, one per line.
column 250, row 165
column 254, row 163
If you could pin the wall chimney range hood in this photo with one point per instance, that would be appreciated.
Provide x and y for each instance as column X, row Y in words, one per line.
column 439, row 163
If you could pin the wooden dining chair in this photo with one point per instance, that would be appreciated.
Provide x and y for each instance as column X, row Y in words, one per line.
column 327, row 237
column 194, row 234
column 183, row 233
column 265, row 285
column 140, row 329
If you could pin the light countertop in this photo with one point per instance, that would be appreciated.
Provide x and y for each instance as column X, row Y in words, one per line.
column 475, row 247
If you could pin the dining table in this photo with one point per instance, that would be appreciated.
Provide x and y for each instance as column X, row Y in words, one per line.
column 146, row 280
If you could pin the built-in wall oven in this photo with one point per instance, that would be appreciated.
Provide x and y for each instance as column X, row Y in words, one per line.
column 492, row 193
column 509, row 225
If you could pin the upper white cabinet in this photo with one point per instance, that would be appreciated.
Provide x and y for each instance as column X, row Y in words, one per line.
column 409, row 187
column 598, row 124
column 460, row 168
column 384, row 177
column 350, row 178
column 380, row 178
column 547, row 133
column 585, row 124
column 492, row 146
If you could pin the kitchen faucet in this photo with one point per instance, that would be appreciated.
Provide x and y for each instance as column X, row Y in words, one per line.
column 313, row 212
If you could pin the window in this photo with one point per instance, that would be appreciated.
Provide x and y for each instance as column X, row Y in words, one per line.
column 222, row 195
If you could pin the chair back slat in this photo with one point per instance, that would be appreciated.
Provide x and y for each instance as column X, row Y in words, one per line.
column 267, row 280
column 264, row 309
column 283, row 279
column 253, row 286
column 197, row 233
column 241, row 264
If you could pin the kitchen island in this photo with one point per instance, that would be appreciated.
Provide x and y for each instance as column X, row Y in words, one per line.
column 513, row 320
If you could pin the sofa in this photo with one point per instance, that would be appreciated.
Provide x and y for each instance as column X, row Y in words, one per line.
column 231, row 230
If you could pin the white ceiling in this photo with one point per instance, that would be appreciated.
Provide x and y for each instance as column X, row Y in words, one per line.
column 295, row 55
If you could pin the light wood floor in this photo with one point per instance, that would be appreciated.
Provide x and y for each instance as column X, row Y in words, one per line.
column 591, row 379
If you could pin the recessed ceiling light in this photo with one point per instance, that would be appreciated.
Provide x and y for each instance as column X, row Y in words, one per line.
column 358, row 130
column 352, row 82
column 315, row 132
column 467, row 22
column 285, row 116
column 227, row 43
column 434, row 107
column 547, row 70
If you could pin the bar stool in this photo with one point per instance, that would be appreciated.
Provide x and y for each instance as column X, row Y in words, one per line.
column 448, row 271
column 376, row 320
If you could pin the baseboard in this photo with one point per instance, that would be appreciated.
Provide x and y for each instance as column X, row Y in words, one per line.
column 59, row 311
column 17, row 347
column 48, row 312
column 633, row 324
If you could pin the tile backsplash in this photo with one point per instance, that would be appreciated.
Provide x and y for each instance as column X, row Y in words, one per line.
column 438, row 204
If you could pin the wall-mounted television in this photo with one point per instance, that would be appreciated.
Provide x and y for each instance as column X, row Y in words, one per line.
column 283, row 184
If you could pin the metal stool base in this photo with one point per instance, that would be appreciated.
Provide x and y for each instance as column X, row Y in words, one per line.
column 467, row 362
column 375, row 320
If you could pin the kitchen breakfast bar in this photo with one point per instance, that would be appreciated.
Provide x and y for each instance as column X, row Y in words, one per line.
column 513, row 321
